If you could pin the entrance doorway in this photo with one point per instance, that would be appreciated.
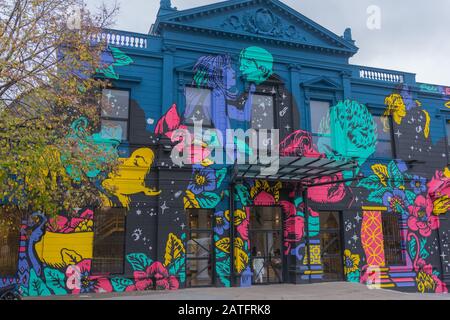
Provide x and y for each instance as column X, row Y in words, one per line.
column 266, row 239
column 331, row 246
column 199, row 257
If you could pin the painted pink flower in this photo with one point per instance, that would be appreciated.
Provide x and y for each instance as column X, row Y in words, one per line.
column 264, row 199
column 80, row 281
column 299, row 143
column 59, row 224
column 62, row 224
column 144, row 280
column 293, row 225
column 439, row 186
column 242, row 228
column 420, row 218
column 169, row 122
column 167, row 126
column 439, row 192
column 332, row 192
column 441, row 287
column 158, row 271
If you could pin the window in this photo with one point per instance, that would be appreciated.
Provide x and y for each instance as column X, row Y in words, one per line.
column 262, row 112
column 199, row 219
column 384, row 143
column 392, row 240
column 198, row 106
column 9, row 242
column 115, row 114
column 265, row 218
column 199, row 258
column 109, row 240
column 320, row 124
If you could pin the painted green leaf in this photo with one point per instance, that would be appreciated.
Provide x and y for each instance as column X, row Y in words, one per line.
column 313, row 226
column 139, row 261
column 25, row 291
column 412, row 245
column 370, row 183
column 410, row 196
column 121, row 284
column 220, row 175
column 220, row 254
column 242, row 195
column 208, row 200
column 37, row 287
column 354, row 277
column 177, row 268
column 377, row 195
column 55, row 281
column 424, row 254
column 109, row 72
column 223, row 271
column 396, row 176
column 120, row 58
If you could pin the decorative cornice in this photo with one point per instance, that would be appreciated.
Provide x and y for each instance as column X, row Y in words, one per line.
column 262, row 22
column 275, row 6
column 259, row 38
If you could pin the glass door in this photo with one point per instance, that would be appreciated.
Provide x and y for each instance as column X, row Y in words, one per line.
column 199, row 257
column 266, row 245
column 331, row 246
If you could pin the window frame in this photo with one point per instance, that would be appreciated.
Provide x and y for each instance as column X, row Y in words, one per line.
column 212, row 252
column 401, row 243
column 331, row 103
column 376, row 113
column 191, row 125
column 123, row 268
column 127, row 120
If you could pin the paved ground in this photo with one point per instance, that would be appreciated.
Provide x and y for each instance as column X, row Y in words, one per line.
column 321, row 291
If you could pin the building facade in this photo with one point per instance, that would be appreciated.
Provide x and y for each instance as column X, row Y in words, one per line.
column 361, row 193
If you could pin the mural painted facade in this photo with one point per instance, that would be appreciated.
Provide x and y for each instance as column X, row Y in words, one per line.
column 259, row 65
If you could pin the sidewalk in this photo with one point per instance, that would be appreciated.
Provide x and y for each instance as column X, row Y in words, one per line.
column 320, row 291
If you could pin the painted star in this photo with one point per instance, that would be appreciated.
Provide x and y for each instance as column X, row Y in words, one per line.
column 164, row 207
column 398, row 133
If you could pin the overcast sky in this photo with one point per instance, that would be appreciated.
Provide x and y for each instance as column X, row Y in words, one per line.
column 414, row 34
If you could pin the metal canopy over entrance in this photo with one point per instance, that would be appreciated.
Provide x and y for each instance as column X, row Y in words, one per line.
column 294, row 169
column 300, row 169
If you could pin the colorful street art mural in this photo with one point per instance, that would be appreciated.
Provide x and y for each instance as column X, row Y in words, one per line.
column 56, row 258
column 224, row 92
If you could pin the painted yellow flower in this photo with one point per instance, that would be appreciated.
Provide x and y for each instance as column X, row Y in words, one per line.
column 351, row 262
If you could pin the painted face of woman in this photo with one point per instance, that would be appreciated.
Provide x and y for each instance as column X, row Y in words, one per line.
column 230, row 77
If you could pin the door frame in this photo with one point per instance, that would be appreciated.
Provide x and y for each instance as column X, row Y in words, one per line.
column 212, row 251
column 281, row 230
column 341, row 234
